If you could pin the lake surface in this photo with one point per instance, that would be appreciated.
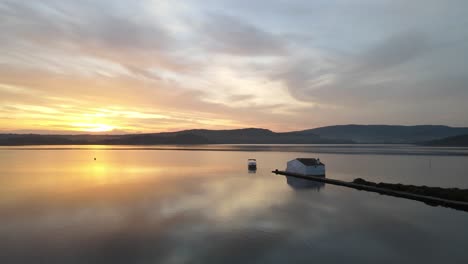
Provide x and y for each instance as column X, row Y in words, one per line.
column 199, row 204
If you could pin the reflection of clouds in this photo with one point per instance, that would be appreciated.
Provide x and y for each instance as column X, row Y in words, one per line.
column 209, row 219
column 215, row 214
column 68, row 172
column 229, row 198
column 197, row 209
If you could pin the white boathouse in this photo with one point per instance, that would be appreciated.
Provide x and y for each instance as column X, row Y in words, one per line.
column 306, row 166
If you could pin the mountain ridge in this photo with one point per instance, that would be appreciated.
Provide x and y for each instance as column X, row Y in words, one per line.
column 392, row 134
column 338, row 134
column 455, row 141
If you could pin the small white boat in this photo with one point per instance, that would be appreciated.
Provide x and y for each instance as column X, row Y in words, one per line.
column 252, row 164
column 306, row 167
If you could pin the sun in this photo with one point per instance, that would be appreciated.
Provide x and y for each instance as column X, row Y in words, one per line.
column 100, row 128
column 86, row 127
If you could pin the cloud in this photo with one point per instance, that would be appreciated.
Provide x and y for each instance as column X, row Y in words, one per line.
column 236, row 63
column 393, row 51
column 108, row 30
column 396, row 72
column 235, row 36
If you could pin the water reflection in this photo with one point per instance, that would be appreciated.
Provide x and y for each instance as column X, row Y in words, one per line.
column 301, row 184
column 141, row 206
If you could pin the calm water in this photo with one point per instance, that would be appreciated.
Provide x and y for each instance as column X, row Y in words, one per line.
column 200, row 205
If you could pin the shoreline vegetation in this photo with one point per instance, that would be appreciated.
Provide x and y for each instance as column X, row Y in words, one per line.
column 454, row 194
column 455, row 141
column 434, row 196
column 425, row 135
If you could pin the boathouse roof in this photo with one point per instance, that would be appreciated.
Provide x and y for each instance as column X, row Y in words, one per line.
column 308, row 162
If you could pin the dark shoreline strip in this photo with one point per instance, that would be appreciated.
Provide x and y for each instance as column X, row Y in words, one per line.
column 429, row 200
column 447, row 153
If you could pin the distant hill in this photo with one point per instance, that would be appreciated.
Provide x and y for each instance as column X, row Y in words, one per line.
column 387, row 133
column 197, row 136
column 344, row 134
column 456, row 141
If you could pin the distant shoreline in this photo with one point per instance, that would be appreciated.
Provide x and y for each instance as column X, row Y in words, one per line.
column 342, row 149
column 425, row 135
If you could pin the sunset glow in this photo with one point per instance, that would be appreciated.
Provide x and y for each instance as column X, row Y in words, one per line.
column 152, row 66
column 93, row 127
column 233, row 131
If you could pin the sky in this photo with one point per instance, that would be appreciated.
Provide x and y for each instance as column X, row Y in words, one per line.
column 115, row 66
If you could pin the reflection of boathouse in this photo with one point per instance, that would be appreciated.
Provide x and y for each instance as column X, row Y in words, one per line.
column 302, row 184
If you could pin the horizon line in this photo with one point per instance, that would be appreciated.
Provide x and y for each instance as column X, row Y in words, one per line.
column 123, row 132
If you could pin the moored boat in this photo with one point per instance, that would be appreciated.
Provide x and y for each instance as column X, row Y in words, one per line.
column 252, row 164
